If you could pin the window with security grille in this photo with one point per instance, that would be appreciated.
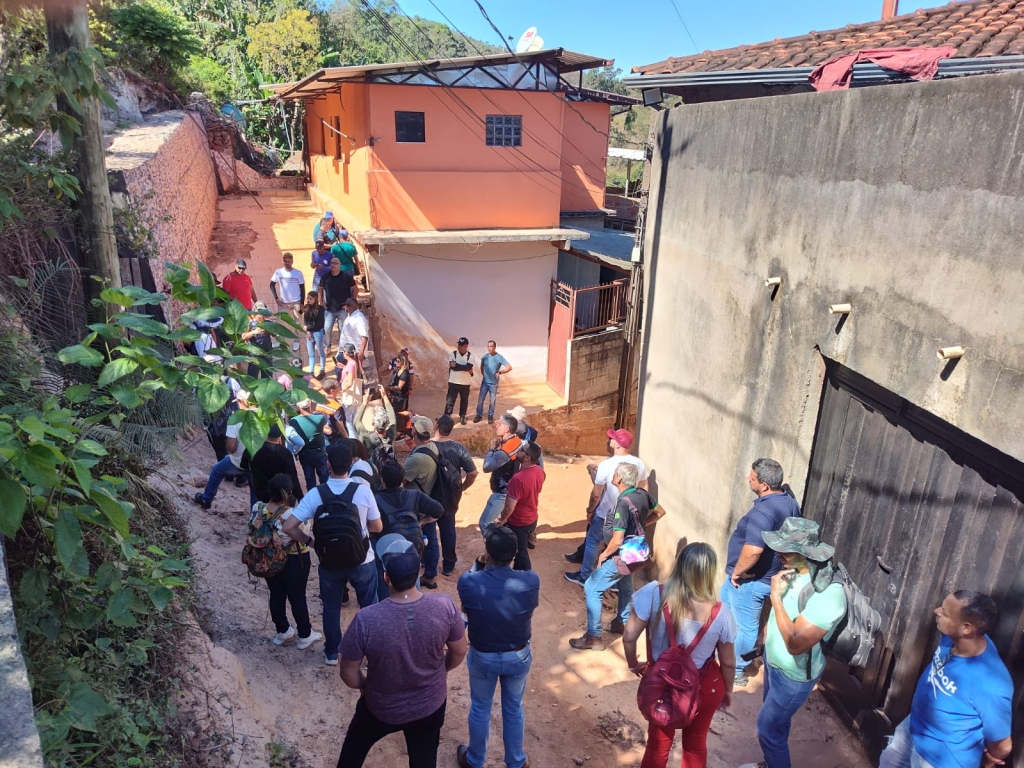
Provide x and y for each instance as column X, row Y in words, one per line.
column 504, row 130
column 409, row 127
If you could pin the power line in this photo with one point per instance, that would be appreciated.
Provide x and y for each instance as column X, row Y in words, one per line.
column 695, row 46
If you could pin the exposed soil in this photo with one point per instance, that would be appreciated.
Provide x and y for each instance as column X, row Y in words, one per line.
column 581, row 706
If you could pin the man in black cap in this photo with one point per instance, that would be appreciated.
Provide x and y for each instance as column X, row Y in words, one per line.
column 239, row 285
column 273, row 459
column 460, row 375
column 410, row 642
column 499, row 603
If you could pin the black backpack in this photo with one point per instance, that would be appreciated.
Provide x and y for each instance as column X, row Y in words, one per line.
column 854, row 636
column 447, row 490
column 403, row 520
column 337, row 531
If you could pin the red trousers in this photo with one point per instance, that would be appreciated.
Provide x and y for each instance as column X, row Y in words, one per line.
column 695, row 735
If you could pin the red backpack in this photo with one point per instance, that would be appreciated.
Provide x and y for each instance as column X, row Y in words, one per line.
column 669, row 692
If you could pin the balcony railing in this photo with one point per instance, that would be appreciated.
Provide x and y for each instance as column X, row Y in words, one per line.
column 593, row 309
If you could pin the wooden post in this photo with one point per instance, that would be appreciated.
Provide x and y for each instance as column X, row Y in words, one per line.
column 67, row 29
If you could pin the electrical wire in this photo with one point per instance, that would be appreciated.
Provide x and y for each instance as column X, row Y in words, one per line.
column 676, row 7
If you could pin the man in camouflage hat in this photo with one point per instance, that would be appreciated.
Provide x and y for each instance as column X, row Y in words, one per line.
column 793, row 657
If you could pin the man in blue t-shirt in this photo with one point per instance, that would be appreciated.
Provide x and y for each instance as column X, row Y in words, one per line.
column 749, row 564
column 492, row 366
column 961, row 713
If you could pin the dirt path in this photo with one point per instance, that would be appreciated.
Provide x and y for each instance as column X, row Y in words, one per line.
column 581, row 706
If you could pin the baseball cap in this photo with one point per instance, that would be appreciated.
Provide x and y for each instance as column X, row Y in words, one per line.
column 241, row 263
column 621, row 436
column 422, row 425
column 259, row 306
column 398, row 555
column 463, row 340
column 343, row 232
column 321, row 241
column 328, row 215
column 518, row 412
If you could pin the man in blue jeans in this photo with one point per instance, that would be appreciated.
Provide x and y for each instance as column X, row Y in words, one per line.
column 749, row 565
column 458, row 455
column 634, row 510
column 229, row 466
column 363, row 577
column 492, row 366
column 499, row 604
column 794, row 660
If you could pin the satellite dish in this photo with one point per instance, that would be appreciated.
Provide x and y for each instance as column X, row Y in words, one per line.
column 526, row 40
column 536, row 45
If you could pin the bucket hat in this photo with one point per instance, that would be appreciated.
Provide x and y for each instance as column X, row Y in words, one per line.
column 799, row 535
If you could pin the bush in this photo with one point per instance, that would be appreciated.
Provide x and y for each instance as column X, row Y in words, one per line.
column 209, row 77
column 154, row 40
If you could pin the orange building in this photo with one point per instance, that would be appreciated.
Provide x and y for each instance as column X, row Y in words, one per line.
column 454, row 176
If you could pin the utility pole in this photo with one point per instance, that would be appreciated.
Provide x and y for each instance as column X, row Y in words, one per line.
column 67, row 25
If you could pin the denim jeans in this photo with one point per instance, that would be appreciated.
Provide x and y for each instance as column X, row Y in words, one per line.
column 446, row 532
column 330, row 318
column 487, row 388
column 422, row 737
column 314, row 466
column 219, row 472
column 600, row 581
column 492, row 510
column 315, row 349
column 290, row 586
column 332, row 587
column 783, row 698
column 432, row 552
column 901, row 753
column 593, row 545
column 350, row 420
column 485, row 670
column 745, row 602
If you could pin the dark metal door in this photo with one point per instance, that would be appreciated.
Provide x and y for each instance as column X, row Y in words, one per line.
column 916, row 509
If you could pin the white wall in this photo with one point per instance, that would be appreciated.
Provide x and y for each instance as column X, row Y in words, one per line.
column 497, row 291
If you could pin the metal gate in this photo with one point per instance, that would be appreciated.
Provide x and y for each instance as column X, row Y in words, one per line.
column 559, row 332
column 916, row 509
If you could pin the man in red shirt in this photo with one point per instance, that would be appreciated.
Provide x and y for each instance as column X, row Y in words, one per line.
column 521, row 502
column 239, row 285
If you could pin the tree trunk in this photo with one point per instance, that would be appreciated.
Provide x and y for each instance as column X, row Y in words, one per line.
column 68, row 28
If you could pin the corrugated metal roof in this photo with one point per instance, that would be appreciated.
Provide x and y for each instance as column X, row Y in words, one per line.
column 325, row 79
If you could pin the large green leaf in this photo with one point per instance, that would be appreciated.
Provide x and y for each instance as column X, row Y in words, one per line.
column 236, row 319
column 254, row 431
column 38, row 465
column 116, row 369
column 91, row 446
column 112, row 509
column 266, row 391
column 33, row 585
column 212, row 393
column 13, row 500
column 67, row 534
column 81, row 355
column 126, row 396
column 208, row 282
column 135, row 296
column 160, row 596
column 140, row 323
column 117, row 608
column 85, row 706
column 78, row 393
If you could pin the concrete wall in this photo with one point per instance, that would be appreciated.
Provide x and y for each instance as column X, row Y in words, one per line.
column 593, row 366
column 905, row 200
column 499, row 291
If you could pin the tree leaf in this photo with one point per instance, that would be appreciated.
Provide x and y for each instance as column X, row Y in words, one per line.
column 126, row 396
column 78, row 393
column 236, row 320
column 33, row 585
column 90, row 446
column 253, row 432
column 115, row 370
column 112, row 509
column 38, row 465
column 68, row 540
column 13, row 500
column 85, row 616
column 212, row 393
column 117, row 608
column 161, row 596
column 81, row 355
column 85, row 706
column 140, row 323
column 82, row 475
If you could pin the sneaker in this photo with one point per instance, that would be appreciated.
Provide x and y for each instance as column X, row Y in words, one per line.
column 283, row 637
column 305, row 642
column 477, row 419
column 331, row 660
column 575, row 578
column 572, row 557
column 587, row 642
column 615, row 627
column 428, row 582
column 295, row 346
column 198, row 499
column 462, row 756
column 741, row 679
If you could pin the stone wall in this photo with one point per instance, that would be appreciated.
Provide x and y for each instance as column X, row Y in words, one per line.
column 906, row 201
column 163, row 168
column 595, row 362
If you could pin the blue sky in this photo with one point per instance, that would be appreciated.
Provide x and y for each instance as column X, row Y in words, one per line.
column 645, row 31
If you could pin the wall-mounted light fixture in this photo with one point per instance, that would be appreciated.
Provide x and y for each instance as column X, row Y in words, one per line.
column 770, row 282
column 840, row 309
column 950, row 353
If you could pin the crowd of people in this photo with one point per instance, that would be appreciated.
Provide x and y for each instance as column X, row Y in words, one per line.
column 386, row 528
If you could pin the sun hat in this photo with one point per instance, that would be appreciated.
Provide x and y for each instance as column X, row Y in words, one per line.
column 518, row 412
column 799, row 535
column 398, row 556
column 621, row 436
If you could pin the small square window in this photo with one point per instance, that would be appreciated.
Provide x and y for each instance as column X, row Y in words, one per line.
column 409, row 127
column 504, row 130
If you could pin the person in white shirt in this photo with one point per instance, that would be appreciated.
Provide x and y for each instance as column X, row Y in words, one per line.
column 460, row 375
column 333, row 583
column 289, row 288
column 602, row 500
column 355, row 330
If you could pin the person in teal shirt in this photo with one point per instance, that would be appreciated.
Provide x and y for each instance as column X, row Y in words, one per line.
column 345, row 252
column 492, row 366
column 794, row 636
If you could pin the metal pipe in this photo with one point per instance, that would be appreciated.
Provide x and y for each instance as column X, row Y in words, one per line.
column 950, row 353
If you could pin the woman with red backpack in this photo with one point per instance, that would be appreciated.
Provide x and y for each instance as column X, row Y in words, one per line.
column 691, row 661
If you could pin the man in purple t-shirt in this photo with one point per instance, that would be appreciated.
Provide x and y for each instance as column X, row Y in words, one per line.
column 410, row 642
